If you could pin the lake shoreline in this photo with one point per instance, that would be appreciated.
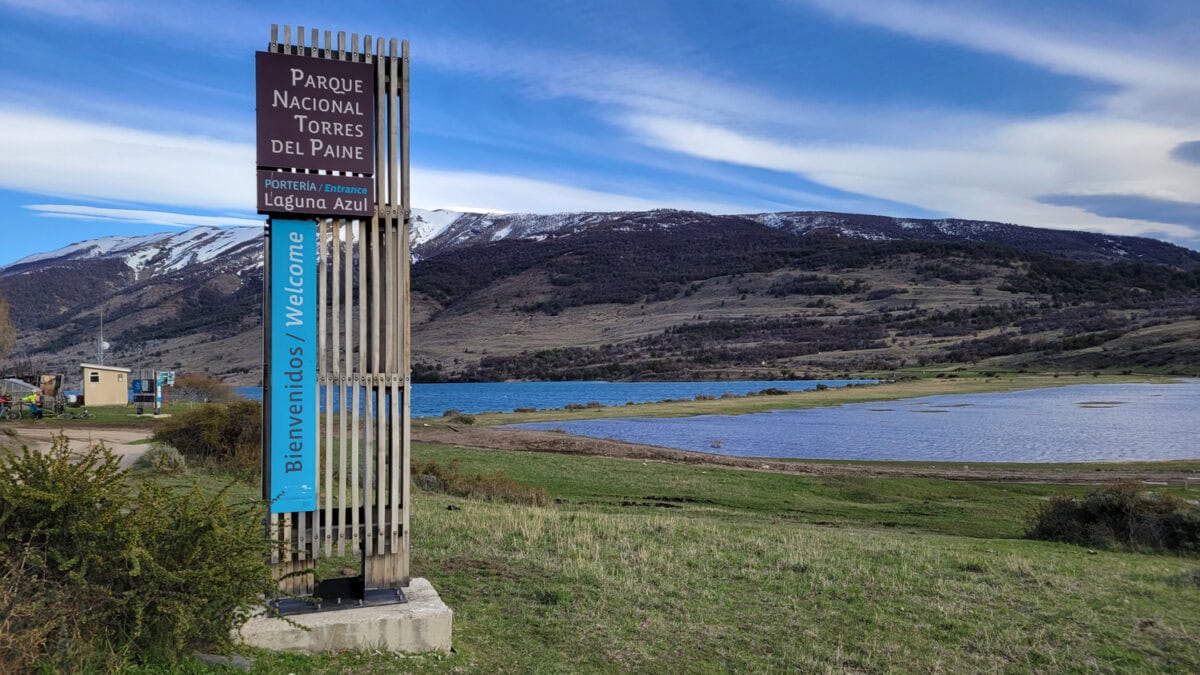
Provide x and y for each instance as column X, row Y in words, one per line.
column 554, row 442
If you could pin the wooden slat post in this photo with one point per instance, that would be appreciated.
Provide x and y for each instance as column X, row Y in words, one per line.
column 363, row 346
column 324, row 381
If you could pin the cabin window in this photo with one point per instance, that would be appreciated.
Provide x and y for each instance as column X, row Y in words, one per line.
column 94, row 377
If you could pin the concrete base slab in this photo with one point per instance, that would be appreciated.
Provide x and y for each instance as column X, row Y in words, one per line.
column 423, row 624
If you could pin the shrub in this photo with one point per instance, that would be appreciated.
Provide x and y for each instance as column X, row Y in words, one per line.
column 436, row 477
column 772, row 391
column 704, row 397
column 200, row 388
column 1119, row 516
column 41, row 621
column 97, row 573
column 525, row 410
column 162, row 458
column 462, row 418
column 574, row 406
column 225, row 435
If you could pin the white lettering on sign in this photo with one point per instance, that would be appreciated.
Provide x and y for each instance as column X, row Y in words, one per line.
column 291, row 203
column 282, row 98
column 315, row 114
column 337, row 85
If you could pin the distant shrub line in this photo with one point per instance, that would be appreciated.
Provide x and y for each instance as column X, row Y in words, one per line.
column 449, row 479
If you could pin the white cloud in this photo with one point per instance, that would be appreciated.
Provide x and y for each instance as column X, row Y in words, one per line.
column 167, row 218
column 976, row 27
column 963, row 164
column 993, row 176
column 622, row 84
column 1153, row 67
column 466, row 191
column 45, row 154
column 74, row 159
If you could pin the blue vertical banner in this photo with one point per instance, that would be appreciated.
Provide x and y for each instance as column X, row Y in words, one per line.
column 292, row 481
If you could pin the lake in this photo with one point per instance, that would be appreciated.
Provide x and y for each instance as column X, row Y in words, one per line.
column 434, row 399
column 1083, row 423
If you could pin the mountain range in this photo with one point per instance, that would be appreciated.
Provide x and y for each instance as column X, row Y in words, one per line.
column 655, row 294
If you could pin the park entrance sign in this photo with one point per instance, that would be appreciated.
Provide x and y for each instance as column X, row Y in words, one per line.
column 332, row 175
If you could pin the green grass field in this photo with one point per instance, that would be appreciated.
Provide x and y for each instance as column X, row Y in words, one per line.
column 651, row 567
column 655, row 567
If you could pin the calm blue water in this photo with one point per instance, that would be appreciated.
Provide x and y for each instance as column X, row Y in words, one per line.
column 1123, row 422
column 434, row 399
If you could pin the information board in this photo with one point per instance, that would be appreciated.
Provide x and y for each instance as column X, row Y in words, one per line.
column 314, row 113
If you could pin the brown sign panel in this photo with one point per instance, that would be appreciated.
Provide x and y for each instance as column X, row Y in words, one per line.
column 315, row 113
column 310, row 194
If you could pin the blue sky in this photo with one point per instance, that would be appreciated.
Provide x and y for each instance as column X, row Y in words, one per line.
column 126, row 117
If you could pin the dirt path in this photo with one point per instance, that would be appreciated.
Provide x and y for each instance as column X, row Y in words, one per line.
column 119, row 440
column 561, row 443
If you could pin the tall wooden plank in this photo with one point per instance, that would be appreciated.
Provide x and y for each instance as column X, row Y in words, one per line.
column 398, row 393
column 356, row 378
column 380, row 466
column 378, row 320
column 335, row 382
column 370, row 283
column 406, row 333
column 326, row 381
column 274, row 521
column 285, row 526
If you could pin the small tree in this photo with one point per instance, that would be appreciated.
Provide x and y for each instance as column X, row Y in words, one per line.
column 200, row 388
column 8, row 334
column 226, row 435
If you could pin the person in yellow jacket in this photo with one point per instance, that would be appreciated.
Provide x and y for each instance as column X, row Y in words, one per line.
column 34, row 399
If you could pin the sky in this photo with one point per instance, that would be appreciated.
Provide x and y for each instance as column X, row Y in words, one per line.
column 131, row 117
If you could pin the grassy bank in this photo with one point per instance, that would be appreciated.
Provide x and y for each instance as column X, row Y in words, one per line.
column 664, row 568
column 968, row 383
column 105, row 416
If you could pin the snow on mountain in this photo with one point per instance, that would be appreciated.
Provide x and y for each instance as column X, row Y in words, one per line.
column 165, row 252
column 154, row 254
column 480, row 228
column 237, row 249
column 429, row 224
